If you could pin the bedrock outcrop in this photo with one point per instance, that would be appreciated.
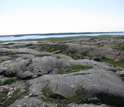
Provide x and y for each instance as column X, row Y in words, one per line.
column 31, row 74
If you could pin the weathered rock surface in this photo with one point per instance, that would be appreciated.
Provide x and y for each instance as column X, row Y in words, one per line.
column 37, row 65
column 105, row 85
column 30, row 68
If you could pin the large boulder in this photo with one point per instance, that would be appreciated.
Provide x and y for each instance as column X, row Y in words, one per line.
column 30, row 68
column 106, row 86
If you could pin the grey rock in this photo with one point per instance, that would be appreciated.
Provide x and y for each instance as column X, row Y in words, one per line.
column 96, row 59
column 44, row 65
column 95, row 64
column 37, row 67
column 26, row 75
column 85, row 105
column 120, row 73
column 102, row 84
column 28, row 102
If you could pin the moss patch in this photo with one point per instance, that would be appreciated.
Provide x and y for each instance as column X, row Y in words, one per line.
column 2, row 97
column 31, row 47
column 10, row 81
column 54, row 48
column 81, row 96
column 73, row 56
column 1, row 60
column 74, row 68
column 84, row 53
column 16, row 95
column 116, row 63
column 100, row 44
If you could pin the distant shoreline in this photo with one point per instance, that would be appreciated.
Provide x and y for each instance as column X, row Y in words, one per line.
column 47, row 34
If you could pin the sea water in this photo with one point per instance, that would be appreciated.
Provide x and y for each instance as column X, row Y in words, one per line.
column 23, row 37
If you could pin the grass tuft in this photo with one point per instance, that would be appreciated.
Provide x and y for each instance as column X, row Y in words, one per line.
column 116, row 63
column 74, row 68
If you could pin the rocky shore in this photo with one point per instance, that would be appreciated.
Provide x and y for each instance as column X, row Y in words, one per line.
column 84, row 72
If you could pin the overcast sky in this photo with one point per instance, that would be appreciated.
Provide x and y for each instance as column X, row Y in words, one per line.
column 53, row 16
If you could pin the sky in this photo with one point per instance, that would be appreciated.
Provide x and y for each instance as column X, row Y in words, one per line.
column 60, row 16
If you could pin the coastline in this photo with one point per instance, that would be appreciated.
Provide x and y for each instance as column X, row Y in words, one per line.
column 69, row 33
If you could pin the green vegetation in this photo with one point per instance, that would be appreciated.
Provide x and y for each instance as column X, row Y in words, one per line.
column 114, row 43
column 26, row 58
column 84, row 53
column 41, row 49
column 48, row 49
column 51, row 48
column 54, row 48
column 53, row 39
column 48, row 93
column 100, row 44
column 61, row 39
column 74, row 68
column 120, row 47
column 10, row 81
column 73, row 56
column 106, row 36
column 1, row 60
column 117, row 63
column 31, row 47
column 2, row 97
column 48, row 99
column 81, row 96
column 16, row 95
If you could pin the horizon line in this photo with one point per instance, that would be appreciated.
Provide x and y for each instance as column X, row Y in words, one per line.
column 63, row 33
